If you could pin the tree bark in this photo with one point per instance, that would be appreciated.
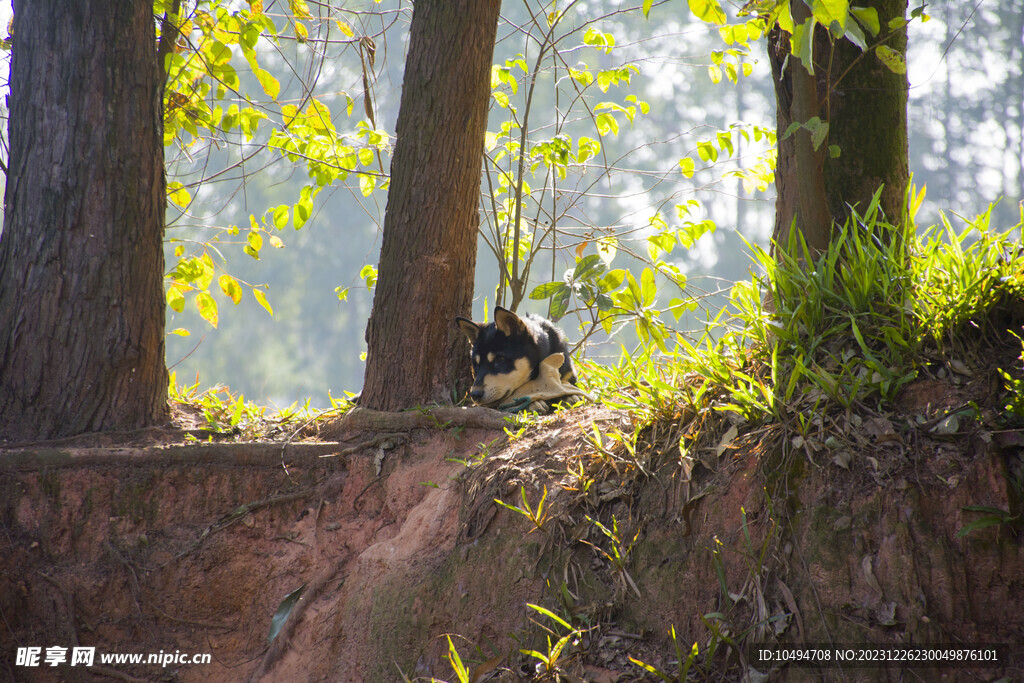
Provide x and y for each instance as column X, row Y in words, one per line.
column 865, row 105
column 416, row 354
column 81, row 254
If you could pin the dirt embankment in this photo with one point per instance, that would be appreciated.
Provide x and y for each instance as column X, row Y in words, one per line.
column 397, row 542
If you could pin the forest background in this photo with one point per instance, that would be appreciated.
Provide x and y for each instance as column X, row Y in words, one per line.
column 966, row 122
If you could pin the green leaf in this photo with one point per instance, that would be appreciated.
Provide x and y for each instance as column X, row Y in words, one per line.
column 231, row 288
column 687, row 167
column 262, row 299
column 369, row 275
column 255, row 241
column 206, row 278
column 612, row 280
column 559, row 304
column 819, row 131
column 461, row 672
column 546, row 290
column 691, row 232
column 284, row 610
column 177, row 193
column 606, row 124
column 175, row 299
column 304, row 208
column 679, row 306
column 647, row 7
column 708, row 10
column 551, row 615
column 893, row 60
column 367, row 183
column 661, row 243
column 648, row 288
column 725, row 142
column 207, row 306
column 581, row 76
column 588, row 147
column 270, row 85
column 868, row 18
column 602, row 41
column 588, row 267
column 832, row 14
column 281, row 216
column 801, row 43
column 856, row 36
column 707, row 151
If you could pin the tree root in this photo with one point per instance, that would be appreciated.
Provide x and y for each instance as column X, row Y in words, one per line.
column 437, row 417
column 251, row 454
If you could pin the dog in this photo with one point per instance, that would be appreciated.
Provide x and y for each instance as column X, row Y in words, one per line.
column 508, row 352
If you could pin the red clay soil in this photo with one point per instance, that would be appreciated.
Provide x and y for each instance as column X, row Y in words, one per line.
column 395, row 537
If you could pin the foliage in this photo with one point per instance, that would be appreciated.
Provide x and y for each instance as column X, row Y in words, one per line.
column 859, row 25
column 230, row 415
column 1014, row 387
column 538, row 178
column 850, row 329
column 538, row 515
column 549, row 661
column 218, row 91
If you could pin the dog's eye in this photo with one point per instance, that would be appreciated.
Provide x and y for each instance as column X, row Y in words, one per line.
column 498, row 357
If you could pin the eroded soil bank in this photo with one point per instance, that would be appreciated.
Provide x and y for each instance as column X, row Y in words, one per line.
column 398, row 543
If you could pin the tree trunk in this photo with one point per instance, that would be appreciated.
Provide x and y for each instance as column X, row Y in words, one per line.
column 416, row 353
column 81, row 254
column 865, row 105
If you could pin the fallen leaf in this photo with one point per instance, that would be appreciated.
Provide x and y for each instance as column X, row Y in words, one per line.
column 727, row 438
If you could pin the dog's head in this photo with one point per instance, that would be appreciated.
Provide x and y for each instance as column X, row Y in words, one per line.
column 504, row 356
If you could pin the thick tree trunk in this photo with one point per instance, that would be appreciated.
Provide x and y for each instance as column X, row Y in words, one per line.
column 81, row 254
column 416, row 353
column 865, row 105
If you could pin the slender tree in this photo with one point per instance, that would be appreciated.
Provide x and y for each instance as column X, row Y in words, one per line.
column 416, row 354
column 862, row 97
column 81, row 254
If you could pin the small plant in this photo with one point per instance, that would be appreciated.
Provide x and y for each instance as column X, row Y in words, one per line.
column 683, row 664
column 1014, row 388
column 619, row 554
column 538, row 516
column 548, row 661
column 461, row 672
column 992, row 517
column 232, row 415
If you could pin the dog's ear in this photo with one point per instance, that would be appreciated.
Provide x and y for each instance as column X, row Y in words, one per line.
column 469, row 328
column 555, row 360
column 508, row 322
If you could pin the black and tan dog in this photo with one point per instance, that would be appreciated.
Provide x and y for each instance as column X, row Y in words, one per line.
column 508, row 352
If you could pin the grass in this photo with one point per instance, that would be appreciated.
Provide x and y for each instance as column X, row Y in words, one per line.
column 850, row 328
column 228, row 415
